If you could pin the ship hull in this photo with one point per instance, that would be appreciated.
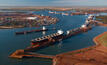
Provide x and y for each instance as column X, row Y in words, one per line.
column 26, row 32
column 35, row 46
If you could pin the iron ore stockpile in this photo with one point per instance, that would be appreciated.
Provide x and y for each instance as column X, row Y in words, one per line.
column 45, row 41
column 25, row 19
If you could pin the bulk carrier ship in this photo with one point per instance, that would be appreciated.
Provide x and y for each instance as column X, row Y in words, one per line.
column 30, row 31
column 46, row 40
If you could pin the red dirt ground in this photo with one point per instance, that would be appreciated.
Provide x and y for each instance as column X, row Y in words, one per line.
column 95, row 55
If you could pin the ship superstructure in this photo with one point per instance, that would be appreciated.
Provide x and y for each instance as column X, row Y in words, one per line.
column 43, row 39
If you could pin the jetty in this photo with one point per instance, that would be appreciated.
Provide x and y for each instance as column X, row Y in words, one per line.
column 23, row 54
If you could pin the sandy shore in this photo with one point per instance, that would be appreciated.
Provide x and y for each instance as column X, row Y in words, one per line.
column 10, row 27
column 95, row 55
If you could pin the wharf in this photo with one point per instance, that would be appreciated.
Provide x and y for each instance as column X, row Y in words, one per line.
column 22, row 54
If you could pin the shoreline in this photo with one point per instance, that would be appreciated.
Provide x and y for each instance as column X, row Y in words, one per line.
column 97, row 42
column 84, row 56
column 10, row 27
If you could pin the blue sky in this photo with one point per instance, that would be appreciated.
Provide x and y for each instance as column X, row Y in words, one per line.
column 53, row 2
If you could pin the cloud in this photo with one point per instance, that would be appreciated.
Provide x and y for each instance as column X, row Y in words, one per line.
column 53, row 2
column 71, row 1
column 80, row 2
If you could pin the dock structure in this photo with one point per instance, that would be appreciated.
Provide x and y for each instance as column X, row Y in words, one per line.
column 22, row 54
column 40, row 55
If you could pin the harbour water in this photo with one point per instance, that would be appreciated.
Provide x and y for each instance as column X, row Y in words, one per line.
column 9, row 42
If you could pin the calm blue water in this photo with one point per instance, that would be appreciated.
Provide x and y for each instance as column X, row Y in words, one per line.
column 9, row 42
